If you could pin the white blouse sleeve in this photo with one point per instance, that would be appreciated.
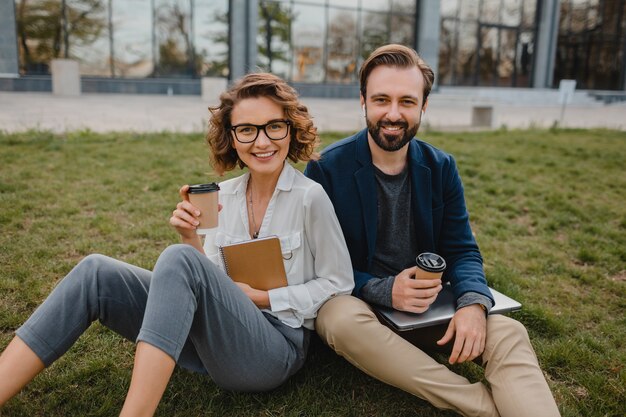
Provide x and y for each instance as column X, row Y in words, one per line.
column 333, row 269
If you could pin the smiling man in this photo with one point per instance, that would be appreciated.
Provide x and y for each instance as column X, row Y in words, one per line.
column 396, row 196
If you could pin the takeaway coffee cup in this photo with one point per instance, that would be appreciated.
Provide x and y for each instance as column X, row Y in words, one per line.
column 205, row 198
column 430, row 266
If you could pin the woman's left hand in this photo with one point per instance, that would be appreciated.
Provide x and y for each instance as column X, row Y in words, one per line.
column 259, row 297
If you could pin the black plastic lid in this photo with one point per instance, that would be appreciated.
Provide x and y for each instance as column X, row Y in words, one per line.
column 430, row 262
column 203, row 188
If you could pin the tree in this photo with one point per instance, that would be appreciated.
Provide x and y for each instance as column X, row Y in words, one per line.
column 219, row 65
column 342, row 48
column 176, row 55
column 47, row 29
column 274, row 27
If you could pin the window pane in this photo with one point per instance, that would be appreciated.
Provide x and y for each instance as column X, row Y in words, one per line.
column 342, row 46
column 593, row 19
column 132, row 38
column 210, row 32
column 564, row 16
column 274, row 53
column 488, row 55
column 449, row 8
column 466, row 55
column 512, row 12
column 506, row 57
column 447, row 51
column 376, row 5
column 374, row 31
column 309, row 27
column 578, row 16
column 88, row 36
column 353, row 4
column 173, row 37
column 530, row 10
column 43, row 35
column 490, row 12
column 403, row 6
column 469, row 10
column 525, row 53
column 403, row 22
column 403, row 29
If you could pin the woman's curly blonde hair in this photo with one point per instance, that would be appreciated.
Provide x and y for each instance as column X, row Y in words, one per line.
column 304, row 137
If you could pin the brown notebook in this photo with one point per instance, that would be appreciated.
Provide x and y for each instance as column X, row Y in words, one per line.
column 256, row 262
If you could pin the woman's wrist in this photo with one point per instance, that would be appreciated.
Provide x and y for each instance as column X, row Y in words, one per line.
column 194, row 241
column 261, row 299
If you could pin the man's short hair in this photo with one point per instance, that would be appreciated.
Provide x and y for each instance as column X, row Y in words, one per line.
column 394, row 55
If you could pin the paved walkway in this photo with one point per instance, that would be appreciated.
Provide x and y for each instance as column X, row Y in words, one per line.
column 149, row 113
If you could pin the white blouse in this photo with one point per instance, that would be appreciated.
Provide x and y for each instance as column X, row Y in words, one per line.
column 316, row 258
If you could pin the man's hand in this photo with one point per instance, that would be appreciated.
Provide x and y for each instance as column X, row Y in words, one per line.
column 470, row 325
column 413, row 295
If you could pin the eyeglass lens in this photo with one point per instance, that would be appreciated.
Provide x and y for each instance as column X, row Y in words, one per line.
column 274, row 130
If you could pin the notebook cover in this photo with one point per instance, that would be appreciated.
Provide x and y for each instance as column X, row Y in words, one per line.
column 256, row 262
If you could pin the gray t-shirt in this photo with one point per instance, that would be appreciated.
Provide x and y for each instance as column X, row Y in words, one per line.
column 396, row 240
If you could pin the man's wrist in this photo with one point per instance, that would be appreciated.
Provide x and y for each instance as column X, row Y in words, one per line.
column 471, row 298
column 378, row 291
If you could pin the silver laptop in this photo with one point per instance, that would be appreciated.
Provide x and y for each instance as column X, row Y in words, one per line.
column 441, row 311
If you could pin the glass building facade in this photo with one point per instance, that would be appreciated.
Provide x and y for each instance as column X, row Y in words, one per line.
column 326, row 41
column 481, row 42
column 125, row 38
column 592, row 43
column 487, row 42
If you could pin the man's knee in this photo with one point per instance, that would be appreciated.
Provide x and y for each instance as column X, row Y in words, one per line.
column 505, row 334
column 339, row 319
column 503, row 324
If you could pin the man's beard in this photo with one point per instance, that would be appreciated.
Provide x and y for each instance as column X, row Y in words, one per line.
column 391, row 143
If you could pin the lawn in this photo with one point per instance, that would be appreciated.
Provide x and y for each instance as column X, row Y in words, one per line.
column 548, row 208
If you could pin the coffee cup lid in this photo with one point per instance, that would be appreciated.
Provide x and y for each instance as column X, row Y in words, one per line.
column 203, row 188
column 430, row 262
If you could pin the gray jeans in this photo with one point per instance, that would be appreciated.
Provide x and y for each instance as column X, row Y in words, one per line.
column 187, row 307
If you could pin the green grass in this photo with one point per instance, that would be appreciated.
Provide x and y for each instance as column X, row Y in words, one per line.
column 548, row 209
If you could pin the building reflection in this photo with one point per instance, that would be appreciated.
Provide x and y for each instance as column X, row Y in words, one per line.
column 481, row 42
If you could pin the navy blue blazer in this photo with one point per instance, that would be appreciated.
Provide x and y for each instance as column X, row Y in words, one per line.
column 346, row 172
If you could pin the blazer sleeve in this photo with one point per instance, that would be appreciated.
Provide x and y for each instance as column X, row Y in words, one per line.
column 315, row 171
column 456, row 240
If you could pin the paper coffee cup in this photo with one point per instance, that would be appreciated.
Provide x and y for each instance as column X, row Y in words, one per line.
column 205, row 198
column 430, row 266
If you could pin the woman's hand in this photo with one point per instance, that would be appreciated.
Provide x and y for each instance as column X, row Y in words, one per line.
column 185, row 219
column 259, row 297
column 185, row 216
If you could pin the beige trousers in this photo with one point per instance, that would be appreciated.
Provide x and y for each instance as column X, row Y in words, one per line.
column 350, row 327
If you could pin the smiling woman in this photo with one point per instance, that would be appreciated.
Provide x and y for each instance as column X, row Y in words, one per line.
column 263, row 154
column 188, row 311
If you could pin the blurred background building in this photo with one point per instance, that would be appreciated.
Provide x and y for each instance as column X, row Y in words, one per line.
column 167, row 46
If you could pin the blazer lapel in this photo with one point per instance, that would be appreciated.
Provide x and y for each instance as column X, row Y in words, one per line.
column 421, row 196
column 366, row 185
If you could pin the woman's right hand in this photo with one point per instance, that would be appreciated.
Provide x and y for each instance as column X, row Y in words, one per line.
column 185, row 216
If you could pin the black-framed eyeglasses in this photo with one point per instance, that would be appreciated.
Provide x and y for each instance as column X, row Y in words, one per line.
column 274, row 130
